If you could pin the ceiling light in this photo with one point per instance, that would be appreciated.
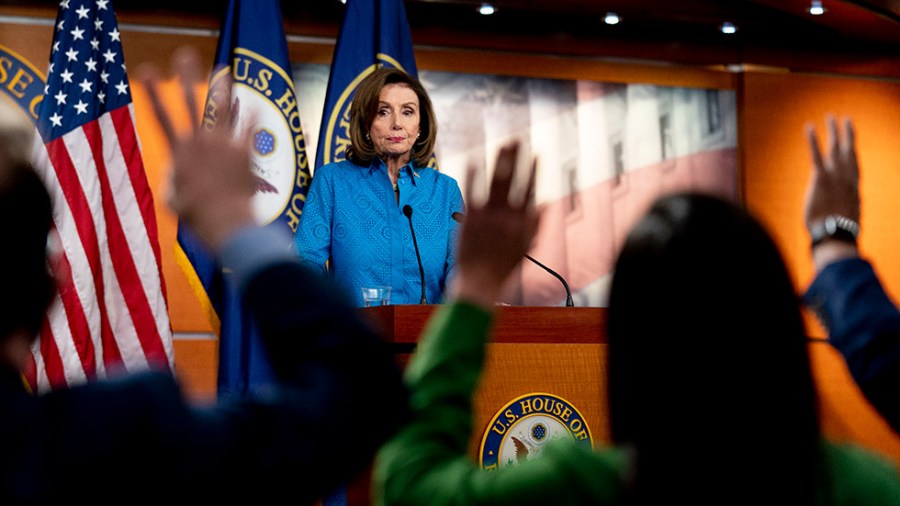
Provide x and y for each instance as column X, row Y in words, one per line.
column 486, row 9
column 816, row 9
column 611, row 18
column 728, row 27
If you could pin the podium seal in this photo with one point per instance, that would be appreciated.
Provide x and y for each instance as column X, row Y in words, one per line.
column 521, row 429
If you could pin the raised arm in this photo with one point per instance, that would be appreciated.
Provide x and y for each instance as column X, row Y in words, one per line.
column 428, row 461
column 501, row 227
column 862, row 322
column 339, row 392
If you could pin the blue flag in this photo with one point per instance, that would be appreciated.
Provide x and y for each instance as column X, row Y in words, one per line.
column 253, row 50
column 374, row 33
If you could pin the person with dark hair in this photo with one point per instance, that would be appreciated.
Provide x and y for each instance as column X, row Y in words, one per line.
column 135, row 438
column 711, row 398
column 367, row 218
column 28, row 285
column 863, row 323
column 709, row 376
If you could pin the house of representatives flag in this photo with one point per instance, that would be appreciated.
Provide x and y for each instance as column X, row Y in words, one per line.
column 252, row 49
column 110, row 312
column 374, row 33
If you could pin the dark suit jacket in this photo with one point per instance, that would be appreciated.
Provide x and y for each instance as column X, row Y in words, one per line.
column 134, row 439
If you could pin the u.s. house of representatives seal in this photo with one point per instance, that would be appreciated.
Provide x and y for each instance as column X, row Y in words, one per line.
column 21, row 82
column 522, row 428
column 278, row 156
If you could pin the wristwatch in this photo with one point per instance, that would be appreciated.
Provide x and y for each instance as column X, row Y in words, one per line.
column 834, row 226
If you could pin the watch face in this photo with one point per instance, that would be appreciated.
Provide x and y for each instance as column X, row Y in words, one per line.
column 835, row 227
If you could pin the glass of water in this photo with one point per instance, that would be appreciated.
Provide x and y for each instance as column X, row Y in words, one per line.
column 376, row 295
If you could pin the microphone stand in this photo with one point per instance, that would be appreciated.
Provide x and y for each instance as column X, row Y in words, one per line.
column 407, row 211
column 569, row 301
column 458, row 217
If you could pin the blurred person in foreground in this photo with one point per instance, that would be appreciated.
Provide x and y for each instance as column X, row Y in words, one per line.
column 711, row 398
column 356, row 219
column 863, row 323
column 134, row 438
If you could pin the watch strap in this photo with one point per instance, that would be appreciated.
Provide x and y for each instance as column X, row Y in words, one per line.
column 836, row 227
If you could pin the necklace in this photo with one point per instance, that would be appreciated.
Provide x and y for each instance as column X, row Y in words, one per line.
column 396, row 188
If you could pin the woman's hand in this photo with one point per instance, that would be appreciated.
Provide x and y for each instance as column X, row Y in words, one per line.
column 496, row 235
column 833, row 188
column 211, row 181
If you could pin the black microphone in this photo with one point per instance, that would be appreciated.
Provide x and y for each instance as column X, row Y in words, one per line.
column 407, row 211
column 458, row 217
column 569, row 301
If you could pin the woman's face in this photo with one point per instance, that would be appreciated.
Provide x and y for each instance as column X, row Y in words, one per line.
column 396, row 125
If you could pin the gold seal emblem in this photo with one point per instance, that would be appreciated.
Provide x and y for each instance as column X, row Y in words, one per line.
column 521, row 429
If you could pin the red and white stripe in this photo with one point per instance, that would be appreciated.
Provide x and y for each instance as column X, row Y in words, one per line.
column 110, row 312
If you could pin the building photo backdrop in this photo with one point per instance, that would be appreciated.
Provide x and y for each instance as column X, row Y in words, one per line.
column 604, row 151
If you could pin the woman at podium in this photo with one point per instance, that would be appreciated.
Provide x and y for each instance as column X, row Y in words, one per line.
column 383, row 217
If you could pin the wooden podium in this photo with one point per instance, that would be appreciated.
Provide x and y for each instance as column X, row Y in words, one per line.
column 562, row 351
column 556, row 350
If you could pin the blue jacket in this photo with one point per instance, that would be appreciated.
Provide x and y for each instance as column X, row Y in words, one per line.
column 864, row 325
column 352, row 220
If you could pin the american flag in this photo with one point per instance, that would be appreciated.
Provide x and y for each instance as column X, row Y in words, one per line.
column 110, row 313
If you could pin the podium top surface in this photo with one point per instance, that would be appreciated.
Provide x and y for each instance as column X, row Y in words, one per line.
column 403, row 323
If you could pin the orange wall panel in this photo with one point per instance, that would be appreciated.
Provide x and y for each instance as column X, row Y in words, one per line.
column 776, row 162
column 196, row 361
column 774, row 109
column 186, row 310
column 845, row 414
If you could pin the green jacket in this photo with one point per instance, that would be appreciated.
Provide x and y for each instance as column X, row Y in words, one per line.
column 427, row 462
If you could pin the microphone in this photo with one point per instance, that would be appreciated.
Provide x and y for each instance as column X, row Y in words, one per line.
column 458, row 217
column 407, row 211
column 569, row 301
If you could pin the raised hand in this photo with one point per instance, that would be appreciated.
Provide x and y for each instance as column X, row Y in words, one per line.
column 834, row 187
column 211, row 181
column 495, row 235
